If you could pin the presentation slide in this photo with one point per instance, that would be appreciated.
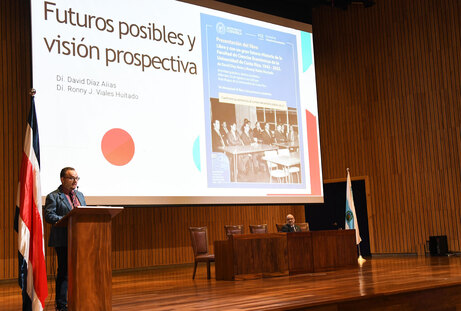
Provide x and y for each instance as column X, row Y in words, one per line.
column 167, row 102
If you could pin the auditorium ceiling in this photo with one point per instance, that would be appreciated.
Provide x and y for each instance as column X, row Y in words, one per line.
column 299, row 10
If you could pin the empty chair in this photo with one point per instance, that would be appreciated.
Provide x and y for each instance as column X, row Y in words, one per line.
column 283, row 152
column 279, row 227
column 199, row 239
column 274, row 171
column 258, row 228
column 233, row 229
column 291, row 169
column 304, row 226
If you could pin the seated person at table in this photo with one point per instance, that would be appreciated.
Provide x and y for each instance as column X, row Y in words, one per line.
column 266, row 136
column 292, row 135
column 217, row 140
column 233, row 139
column 247, row 136
column 257, row 131
column 286, row 131
column 248, row 139
column 279, row 135
column 224, row 130
column 290, row 225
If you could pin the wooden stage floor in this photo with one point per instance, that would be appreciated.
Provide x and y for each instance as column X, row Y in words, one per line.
column 391, row 283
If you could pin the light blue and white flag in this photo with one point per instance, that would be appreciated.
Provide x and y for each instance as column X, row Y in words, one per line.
column 351, row 218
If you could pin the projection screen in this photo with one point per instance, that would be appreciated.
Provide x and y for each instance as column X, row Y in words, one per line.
column 168, row 102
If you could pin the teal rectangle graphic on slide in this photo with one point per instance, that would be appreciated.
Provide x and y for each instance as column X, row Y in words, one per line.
column 250, row 76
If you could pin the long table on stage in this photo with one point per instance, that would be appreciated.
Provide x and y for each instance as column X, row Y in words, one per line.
column 274, row 254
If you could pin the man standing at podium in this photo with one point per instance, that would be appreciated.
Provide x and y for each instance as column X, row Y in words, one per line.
column 290, row 225
column 58, row 204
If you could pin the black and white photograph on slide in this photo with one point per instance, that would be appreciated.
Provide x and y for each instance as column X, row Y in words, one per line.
column 261, row 144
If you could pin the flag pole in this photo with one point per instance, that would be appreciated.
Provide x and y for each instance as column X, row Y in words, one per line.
column 360, row 260
column 350, row 208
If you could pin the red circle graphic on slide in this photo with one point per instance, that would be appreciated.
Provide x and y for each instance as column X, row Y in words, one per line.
column 117, row 147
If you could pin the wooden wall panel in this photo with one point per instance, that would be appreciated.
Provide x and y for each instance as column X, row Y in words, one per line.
column 389, row 106
column 389, row 109
column 14, row 85
column 149, row 236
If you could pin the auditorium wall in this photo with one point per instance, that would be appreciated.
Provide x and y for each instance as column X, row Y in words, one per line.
column 389, row 101
column 389, row 108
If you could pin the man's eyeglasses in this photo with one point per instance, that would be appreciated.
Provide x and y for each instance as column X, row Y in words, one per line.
column 73, row 178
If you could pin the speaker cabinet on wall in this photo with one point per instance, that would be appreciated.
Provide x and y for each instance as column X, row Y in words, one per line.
column 438, row 245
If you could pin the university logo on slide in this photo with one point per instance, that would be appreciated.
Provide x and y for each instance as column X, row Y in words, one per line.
column 220, row 28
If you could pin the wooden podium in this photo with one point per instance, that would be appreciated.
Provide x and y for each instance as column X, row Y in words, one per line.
column 89, row 256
